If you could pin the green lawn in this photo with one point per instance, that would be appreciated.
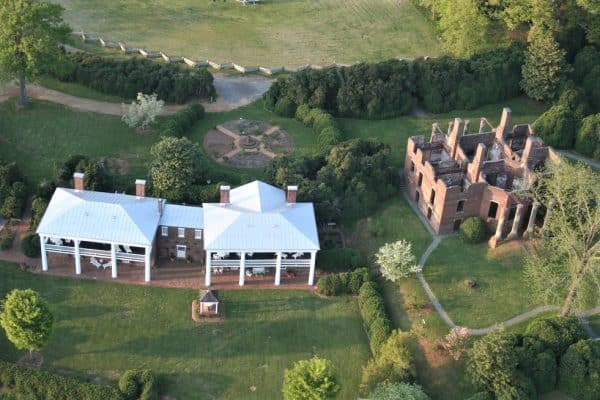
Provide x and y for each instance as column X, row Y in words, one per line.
column 275, row 32
column 101, row 329
column 501, row 291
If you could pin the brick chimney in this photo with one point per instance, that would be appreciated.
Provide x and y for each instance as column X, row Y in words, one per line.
column 474, row 168
column 140, row 188
column 225, row 194
column 292, row 193
column 78, row 181
column 161, row 206
column 504, row 121
column 458, row 127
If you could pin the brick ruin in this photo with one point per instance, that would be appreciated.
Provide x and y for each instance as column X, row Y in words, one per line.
column 460, row 174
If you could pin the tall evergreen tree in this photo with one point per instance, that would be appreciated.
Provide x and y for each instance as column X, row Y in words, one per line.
column 544, row 66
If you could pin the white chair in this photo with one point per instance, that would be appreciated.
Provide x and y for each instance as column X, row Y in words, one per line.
column 127, row 249
column 95, row 262
column 107, row 265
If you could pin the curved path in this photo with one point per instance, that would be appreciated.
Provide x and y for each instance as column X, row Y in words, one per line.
column 482, row 331
column 233, row 92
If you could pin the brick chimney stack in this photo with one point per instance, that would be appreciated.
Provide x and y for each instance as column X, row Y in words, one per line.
column 161, row 206
column 504, row 121
column 455, row 133
column 78, row 181
column 140, row 188
column 474, row 168
column 225, row 194
column 292, row 193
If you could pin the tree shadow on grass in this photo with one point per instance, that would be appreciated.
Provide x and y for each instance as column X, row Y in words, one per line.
column 206, row 385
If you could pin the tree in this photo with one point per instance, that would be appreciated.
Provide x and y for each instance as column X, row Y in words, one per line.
column 313, row 379
column 176, row 165
column 396, row 260
column 564, row 265
column 143, row 112
column 579, row 374
column 26, row 319
column 544, row 66
column 29, row 37
column 398, row 391
column 464, row 28
column 38, row 208
column 493, row 362
column 588, row 137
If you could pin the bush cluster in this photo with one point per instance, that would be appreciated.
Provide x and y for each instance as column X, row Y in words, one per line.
column 343, row 283
column 12, row 191
column 25, row 383
column 473, row 230
column 340, row 259
column 180, row 122
column 126, row 78
column 374, row 315
column 323, row 124
column 6, row 242
column 350, row 180
column 394, row 87
column 525, row 366
column 30, row 245
column 139, row 384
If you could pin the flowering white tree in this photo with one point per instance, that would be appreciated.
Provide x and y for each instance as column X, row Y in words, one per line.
column 396, row 260
column 142, row 113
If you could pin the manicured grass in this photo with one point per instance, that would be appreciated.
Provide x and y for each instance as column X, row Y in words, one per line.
column 272, row 33
column 78, row 90
column 396, row 131
column 46, row 134
column 102, row 329
column 501, row 291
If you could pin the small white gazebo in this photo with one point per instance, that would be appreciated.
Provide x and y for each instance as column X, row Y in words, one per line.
column 258, row 226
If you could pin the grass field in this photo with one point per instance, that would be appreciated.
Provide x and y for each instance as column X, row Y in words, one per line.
column 275, row 32
column 101, row 329
column 501, row 291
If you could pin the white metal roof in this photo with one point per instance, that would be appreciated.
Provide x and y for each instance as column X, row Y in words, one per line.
column 259, row 219
column 182, row 216
column 99, row 216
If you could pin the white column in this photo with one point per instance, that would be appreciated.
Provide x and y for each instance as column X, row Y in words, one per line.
column 77, row 258
column 531, row 224
column 44, row 253
column 113, row 260
column 242, row 268
column 278, row 269
column 208, row 271
column 311, row 272
column 514, row 232
column 147, row 263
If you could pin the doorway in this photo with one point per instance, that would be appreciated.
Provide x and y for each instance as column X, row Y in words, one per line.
column 181, row 250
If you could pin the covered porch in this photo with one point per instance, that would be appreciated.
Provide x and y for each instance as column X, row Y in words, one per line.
column 260, row 265
column 97, row 255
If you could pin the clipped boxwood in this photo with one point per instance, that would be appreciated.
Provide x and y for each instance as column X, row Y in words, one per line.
column 30, row 245
column 180, row 122
column 6, row 242
column 24, row 383
column 473, row 230
column 342, row 283
column 139, row 384
column 285, row 107
column 372, row 309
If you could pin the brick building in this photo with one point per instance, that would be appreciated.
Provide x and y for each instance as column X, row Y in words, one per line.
column 460, row 174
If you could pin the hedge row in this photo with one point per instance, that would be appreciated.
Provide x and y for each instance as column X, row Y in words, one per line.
column 343, row 283
column 394, row 87
column 180, row 122
column 126, row 78
column 374, row 315
column 139, row 384
column 12, row 191
column 323, row 124
column 24, row 383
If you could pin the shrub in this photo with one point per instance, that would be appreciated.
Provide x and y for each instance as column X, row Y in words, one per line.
column 588, row 137
column 343, row 283
column 473, row 230
column 356, row 279
column 393, row 364
column 30, row 245
column 585, row 60
column 372, row 309
column 139, row 384
column 557, row 126
column 181, row 122
column 285, row 107
column 328, row 137
column 544, row 372
column 313, row 379
column 556, row 333
column 126, row 78
column 143, row 112
column 25, row 383
column 341, row 259
column 591, row 83
column 302, row 113
column 579, row 374
column 398, row 391
column 6, row 242
column 38, row 208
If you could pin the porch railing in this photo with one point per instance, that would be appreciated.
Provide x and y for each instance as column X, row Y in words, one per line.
column 84, row 252
column 261, row 263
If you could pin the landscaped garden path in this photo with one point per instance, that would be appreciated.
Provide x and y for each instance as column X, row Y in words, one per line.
column 436, row 239
column 233, row 92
